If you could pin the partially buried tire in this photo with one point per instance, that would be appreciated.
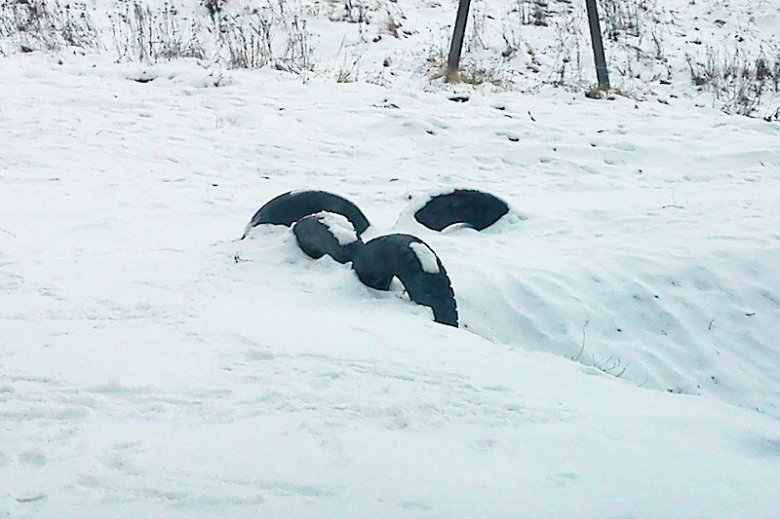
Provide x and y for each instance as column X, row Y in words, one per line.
column 414, row 263
column 327, row 233
column 474, row 208
column 290, row 207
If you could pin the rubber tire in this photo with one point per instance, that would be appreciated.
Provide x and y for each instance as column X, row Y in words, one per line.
column 288, row 208
column 477, row 209
column 316, row 239
column 381, row 259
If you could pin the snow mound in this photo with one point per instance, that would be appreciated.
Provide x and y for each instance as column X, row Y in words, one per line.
column 618, row 354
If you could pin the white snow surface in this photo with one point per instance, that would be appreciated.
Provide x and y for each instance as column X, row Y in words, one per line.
column 427, row 258
column 619, row 346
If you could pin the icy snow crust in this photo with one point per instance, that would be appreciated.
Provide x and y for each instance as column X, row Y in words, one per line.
column 618, row 355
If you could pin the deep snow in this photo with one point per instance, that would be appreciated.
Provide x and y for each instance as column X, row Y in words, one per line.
column 618, row 353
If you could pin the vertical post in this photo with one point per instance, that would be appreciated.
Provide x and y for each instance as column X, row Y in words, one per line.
column 453, row 61
column 598, row 45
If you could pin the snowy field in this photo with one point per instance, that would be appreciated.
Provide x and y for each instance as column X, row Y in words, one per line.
column 618, row 354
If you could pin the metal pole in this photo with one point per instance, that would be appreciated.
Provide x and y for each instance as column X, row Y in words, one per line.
column 453, row 61
column 598, row 45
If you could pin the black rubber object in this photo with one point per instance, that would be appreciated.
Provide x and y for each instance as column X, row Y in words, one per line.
column 381, row 259
column 474, row 208
column 290, row 207
column 316, row 238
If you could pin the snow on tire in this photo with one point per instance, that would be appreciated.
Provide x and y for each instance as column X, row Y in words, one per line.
column 290, row 207
column 327, row 233
column 414, row 263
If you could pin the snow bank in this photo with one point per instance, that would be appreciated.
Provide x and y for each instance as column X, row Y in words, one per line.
column 618, row 355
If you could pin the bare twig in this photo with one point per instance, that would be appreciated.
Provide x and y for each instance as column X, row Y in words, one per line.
column 582, row 349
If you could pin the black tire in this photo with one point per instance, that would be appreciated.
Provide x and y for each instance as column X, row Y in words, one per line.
column 474, row 208
column 316, row 238
column 290, row 207
column 381, row 259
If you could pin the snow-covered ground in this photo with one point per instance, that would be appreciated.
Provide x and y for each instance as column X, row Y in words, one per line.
column 618, row 353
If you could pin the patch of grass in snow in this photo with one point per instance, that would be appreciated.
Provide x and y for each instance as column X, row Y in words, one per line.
column 654, row 49
column 29, row 25
column 150, row 35
column 737, row 79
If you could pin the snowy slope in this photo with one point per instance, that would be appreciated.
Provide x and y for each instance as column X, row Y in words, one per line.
column 617, row 355
column 722, row 53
